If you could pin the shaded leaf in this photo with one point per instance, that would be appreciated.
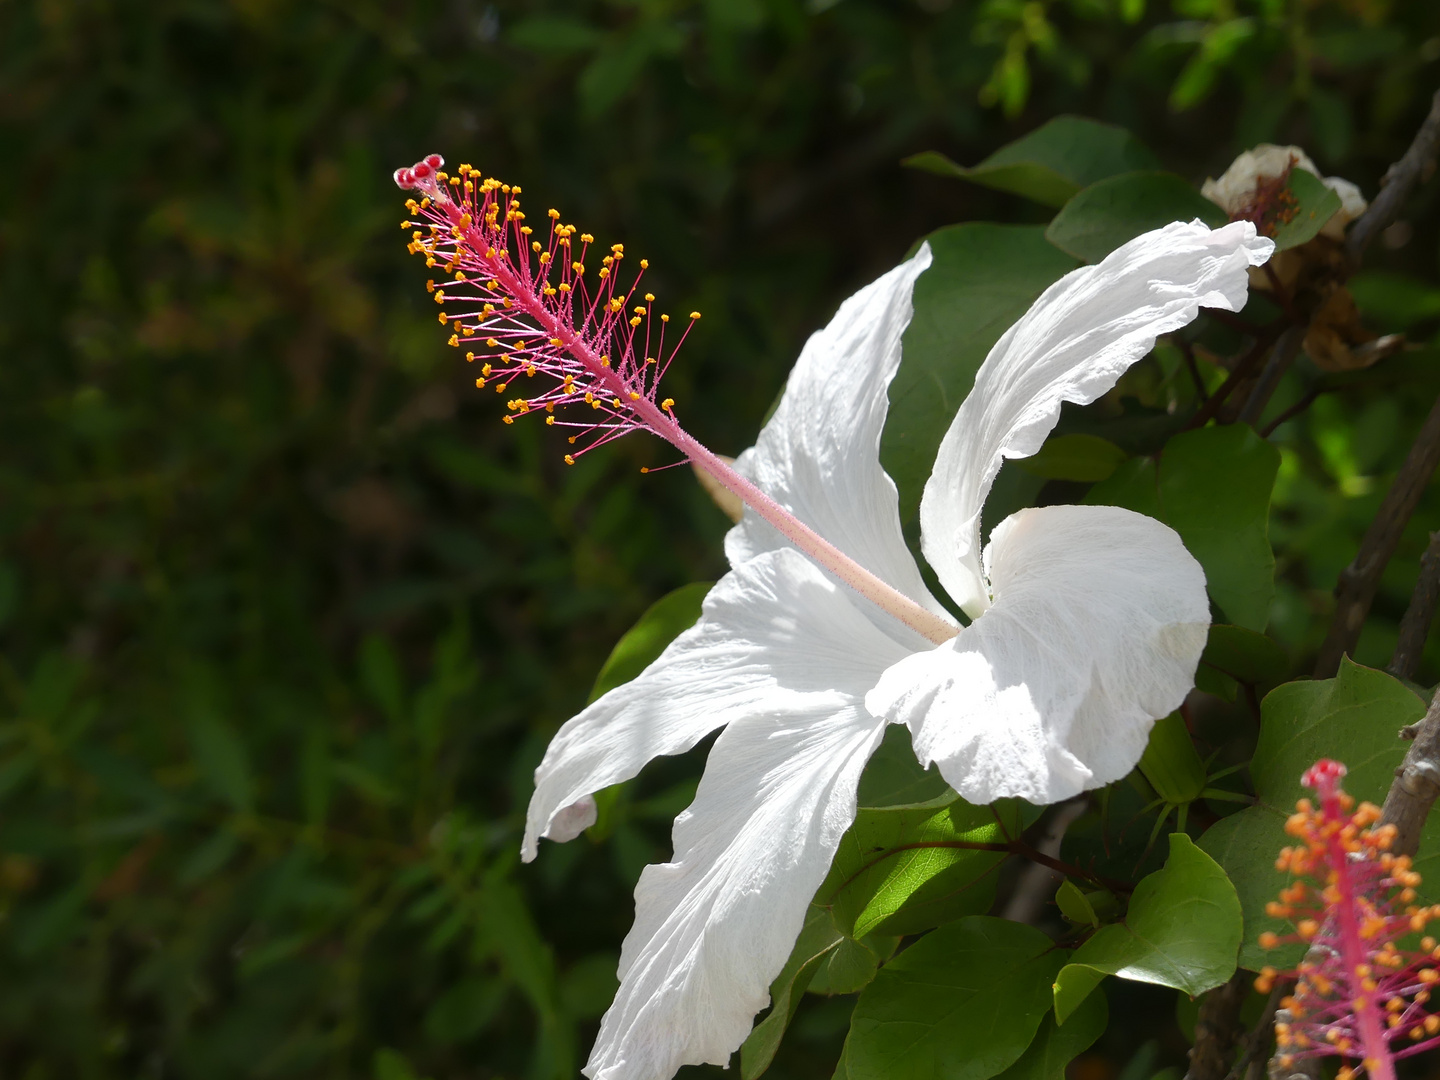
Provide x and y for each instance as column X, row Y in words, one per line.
column 1213, row 487
column 984, row 277
column 1182, row 930
column 1108, row 213
column 1052, row 163
column 1314, row 205
column 1086, row 458
column 1056, row 1045
column 962, row 1003
column 1353, row 718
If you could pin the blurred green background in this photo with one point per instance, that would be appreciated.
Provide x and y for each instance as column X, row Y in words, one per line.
column 286, row 617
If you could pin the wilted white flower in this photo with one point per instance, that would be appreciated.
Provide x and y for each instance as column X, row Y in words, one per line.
column 1249, row 175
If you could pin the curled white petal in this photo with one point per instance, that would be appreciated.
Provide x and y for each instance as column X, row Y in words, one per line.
column 1098, row 622
column 759, row 649
column 1072, row 345
column 819, row 455
column 714, row 927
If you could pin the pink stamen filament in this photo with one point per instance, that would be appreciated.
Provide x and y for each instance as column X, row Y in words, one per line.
column 632, row 388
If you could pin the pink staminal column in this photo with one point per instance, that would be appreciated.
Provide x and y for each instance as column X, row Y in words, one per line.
column 1358, row 994
column 528, row 308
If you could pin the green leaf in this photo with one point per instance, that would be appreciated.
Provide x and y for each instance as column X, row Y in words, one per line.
column 1245, row 655
column 902, row 870
column 1087, row 458
column 1182, row 930
column 554, row 35
column 1354, row 718
column 1056, row 1045
column 984, row 277
column 1108, row 213
column 1213, row 487
column 893, row 777
column 1074, row 905
column 662, row 623
column 1171, row 762
column 962, row 1003
column 851, row 965
column 1052, row 163
column 818, row 938
column 1392, row 301
column 1314, row 205
column 223, row 759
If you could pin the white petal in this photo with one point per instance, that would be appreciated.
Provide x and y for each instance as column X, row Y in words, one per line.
column 819, row 455
column 1072, row 345
column 714, row 927
column 1097, row 625
column 776, row 636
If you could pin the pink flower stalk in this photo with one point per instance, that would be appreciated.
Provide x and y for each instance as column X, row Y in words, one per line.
column 1358, row 995
column 526, row 307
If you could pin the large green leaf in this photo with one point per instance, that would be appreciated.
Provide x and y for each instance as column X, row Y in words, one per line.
column 900, row 870
column 962, row 1003
column 1213, row 487
column 984, row 277
column 1056, row 1045
column 1052, row 163
column 663, row 621
column 1182, row 930
column 1119, row 208
column 1086, row 458
column 893, row 777
column 1353, row 718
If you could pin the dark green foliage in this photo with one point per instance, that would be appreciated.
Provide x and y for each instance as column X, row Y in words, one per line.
column 286, row 617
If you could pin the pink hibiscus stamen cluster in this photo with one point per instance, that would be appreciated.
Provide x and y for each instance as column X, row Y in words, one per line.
column 524, row 307
column 1363, row 992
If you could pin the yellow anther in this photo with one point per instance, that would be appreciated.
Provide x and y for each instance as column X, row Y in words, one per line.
column 635, row 321
column 586, row 238
column 430, row 285
column 549, row 419
column 454, row 341
column 544, row 257
column 480, row 384
column 644, row 264
column 569, row 460
column 604, row 272
column 485, row 369
column 634, row 396
column 459, row 276
column 664, row 318
column 491, row 343
column 563, row 287
column 535, row 245
column 469, row 357
column 405, row 224
column 549, row 290
column 465, row 221
column 577, row 267
column 556, row 342
column 694, row 314
column 668, row 404
column 554, row 214
column 443, row 318
column 649, row 298
column 439, row 296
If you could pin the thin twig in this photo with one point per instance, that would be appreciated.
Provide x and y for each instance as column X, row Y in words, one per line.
column 1415, row 167
column 1257, row 1043
column 1415, row 625
column 1359, row 581
column 1281, row 357
column 1242, row 371
column 1293, row 411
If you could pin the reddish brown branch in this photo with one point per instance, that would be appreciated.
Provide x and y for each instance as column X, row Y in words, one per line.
column 1415, row 167
column 1415, row 625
